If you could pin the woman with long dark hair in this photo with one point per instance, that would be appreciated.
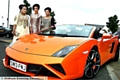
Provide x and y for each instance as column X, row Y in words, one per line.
column 21, row 23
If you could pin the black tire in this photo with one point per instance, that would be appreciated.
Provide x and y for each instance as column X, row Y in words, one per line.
column 92, row 65
column 116, row 57
column 7, row 35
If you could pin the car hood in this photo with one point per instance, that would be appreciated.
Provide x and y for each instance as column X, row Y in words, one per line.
column 45, row 45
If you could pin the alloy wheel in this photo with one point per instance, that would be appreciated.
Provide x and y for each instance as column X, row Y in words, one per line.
column 93, row 64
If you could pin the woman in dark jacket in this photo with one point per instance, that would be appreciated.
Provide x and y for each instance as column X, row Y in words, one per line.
column 47, row 22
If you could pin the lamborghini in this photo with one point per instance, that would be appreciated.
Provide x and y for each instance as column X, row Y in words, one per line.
column 71, row 51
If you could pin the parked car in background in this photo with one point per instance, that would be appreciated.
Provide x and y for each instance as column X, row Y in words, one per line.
column 5, row 32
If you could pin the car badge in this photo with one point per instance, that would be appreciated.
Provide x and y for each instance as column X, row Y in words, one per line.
column 26, row 49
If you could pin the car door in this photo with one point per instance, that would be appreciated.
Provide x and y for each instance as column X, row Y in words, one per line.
column 105, row 46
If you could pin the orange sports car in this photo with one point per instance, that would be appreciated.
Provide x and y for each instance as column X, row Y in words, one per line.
column 69, row 52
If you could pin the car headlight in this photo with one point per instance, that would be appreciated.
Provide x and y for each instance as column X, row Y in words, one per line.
column 64, row 51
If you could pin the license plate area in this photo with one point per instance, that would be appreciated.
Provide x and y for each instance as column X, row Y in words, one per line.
column 18, row 65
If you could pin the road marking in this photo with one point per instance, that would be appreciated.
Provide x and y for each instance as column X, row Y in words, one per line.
column 111, row 73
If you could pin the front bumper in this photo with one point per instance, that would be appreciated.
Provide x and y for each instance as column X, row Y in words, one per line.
column 54, row 67
column 34, row 70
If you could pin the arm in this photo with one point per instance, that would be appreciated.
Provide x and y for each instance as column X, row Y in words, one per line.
column 31, row 30
column 15, row 25
column 29, row 22
column 53, row 23
column 38, row 24
column 45, row 29
column 14, row 28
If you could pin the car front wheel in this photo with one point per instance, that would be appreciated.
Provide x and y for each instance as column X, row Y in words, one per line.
column 92, row 65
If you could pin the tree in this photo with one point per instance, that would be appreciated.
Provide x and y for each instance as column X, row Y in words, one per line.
column 113, row 23
column 53, row 15
column 29, row 11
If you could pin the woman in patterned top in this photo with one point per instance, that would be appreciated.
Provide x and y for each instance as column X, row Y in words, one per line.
column 21, row 23
column 47, row 23
column 35, row 19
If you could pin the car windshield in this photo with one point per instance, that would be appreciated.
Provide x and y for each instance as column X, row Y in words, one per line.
column 73, row 30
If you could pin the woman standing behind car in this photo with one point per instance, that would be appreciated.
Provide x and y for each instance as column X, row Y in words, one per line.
column 47, row 23
column 35, row 19
column 21, row 23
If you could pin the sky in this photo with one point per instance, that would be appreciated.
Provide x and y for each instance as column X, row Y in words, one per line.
column 68, row 11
